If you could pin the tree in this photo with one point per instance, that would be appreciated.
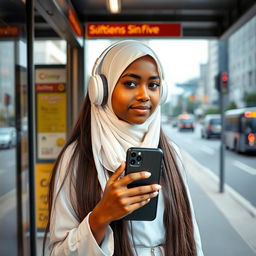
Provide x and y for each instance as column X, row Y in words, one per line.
column 212, row 110
column 231, row 105
column 177, row 110
column 250, row 99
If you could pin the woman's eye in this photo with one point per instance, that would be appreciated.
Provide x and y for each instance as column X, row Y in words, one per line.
column 130, row 83
column 153, row 85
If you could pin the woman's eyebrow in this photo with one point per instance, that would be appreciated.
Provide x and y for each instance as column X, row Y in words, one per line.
column 132, row 75
column 154, row 77
column 139, row 77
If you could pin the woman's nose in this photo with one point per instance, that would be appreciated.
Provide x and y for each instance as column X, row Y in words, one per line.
column 142, row 93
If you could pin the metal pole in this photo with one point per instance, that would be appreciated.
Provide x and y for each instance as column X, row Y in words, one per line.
column 222, row 144
column 31, row 128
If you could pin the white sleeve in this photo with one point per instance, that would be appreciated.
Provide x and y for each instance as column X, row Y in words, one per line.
column 68, row 236
column 195, row 226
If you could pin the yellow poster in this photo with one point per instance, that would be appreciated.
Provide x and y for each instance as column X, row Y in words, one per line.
column 51, row 124
column 51, row 112
column 43, row 174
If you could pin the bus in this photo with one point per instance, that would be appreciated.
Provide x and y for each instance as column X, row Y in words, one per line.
column 240, row 129
column 186, row 122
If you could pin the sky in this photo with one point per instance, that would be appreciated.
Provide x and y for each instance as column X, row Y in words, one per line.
column 180, row 58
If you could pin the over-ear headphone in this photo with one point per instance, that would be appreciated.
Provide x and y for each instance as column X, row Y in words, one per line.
column 98, row 85
column 164, row 92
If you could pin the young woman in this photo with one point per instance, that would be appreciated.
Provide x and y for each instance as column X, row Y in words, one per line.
column 88, row 195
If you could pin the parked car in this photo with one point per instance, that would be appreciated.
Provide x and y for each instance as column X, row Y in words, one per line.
column 7, row 137
column 174, row 122
column 186, row 122
column 211, row 126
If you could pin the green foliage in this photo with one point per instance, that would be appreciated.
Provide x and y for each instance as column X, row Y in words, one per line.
column 191, row 106
column 250, row 99
column 177, row 110
column 212, row 110
column 231, row 105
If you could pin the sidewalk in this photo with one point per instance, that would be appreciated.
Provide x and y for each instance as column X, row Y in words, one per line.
column 227, row 228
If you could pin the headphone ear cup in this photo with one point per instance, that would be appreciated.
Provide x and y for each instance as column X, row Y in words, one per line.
column 164, row 93
column 98, row 90
column 94, row 90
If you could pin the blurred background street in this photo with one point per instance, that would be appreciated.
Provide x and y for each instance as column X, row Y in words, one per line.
column 227, row 220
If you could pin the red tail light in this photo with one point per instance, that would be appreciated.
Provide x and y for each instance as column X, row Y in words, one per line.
column 251, row 139
column 209, row 127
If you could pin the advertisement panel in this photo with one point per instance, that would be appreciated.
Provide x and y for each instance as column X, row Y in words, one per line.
column 51, row 112
column 51, row 125
column 51, row 128
column 43, row 173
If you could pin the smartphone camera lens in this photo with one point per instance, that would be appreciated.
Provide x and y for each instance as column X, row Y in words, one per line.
column 133, row 154
column 132, row 162
column 139, row 158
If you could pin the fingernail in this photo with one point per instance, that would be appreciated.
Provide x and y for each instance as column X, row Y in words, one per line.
column 158, row 187
column 155, row 193
column 147, row 174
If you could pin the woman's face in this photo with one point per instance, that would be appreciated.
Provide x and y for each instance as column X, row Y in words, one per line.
column 137, row 92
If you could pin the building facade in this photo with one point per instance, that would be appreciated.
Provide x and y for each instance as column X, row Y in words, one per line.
column 242, row 62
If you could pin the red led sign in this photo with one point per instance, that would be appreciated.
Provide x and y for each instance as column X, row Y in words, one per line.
column 133, row 30
column 9, row 31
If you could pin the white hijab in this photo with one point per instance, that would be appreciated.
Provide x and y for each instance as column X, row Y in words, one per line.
column 111, row 137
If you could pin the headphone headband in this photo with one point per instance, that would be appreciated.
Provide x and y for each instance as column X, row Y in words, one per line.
column 101, row 57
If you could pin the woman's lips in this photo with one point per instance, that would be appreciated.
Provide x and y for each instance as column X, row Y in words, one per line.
column 142, row 110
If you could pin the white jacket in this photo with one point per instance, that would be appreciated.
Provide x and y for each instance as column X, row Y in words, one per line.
column 69, row 237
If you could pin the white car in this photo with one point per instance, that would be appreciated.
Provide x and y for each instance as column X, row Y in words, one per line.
column 7, row 137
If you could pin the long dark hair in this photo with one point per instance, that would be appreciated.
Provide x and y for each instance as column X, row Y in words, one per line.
column 177, row 215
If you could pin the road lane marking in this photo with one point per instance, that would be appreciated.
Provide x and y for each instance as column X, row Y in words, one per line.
column 245, row 167
column 207, row 150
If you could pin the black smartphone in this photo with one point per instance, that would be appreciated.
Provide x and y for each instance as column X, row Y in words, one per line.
column 144, row 159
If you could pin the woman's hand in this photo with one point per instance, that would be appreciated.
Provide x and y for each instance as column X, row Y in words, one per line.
column 119, row 201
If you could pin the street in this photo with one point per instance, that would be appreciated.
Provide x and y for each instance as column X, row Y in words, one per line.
column 240, row 169
column 7, row 170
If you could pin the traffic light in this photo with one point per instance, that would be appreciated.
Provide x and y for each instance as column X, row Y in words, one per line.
column 192, row 98
column 221, row 82
column 224, row 82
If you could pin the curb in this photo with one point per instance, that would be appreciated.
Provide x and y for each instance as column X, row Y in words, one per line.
column 240, row 199
column 237, row 210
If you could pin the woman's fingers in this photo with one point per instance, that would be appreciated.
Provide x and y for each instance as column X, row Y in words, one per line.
column 139, row 198
column 132, row 207
column 116, row 175
column 129, row 178
column 140, row 190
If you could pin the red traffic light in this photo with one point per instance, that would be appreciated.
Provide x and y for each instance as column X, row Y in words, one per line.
column 224, row 77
